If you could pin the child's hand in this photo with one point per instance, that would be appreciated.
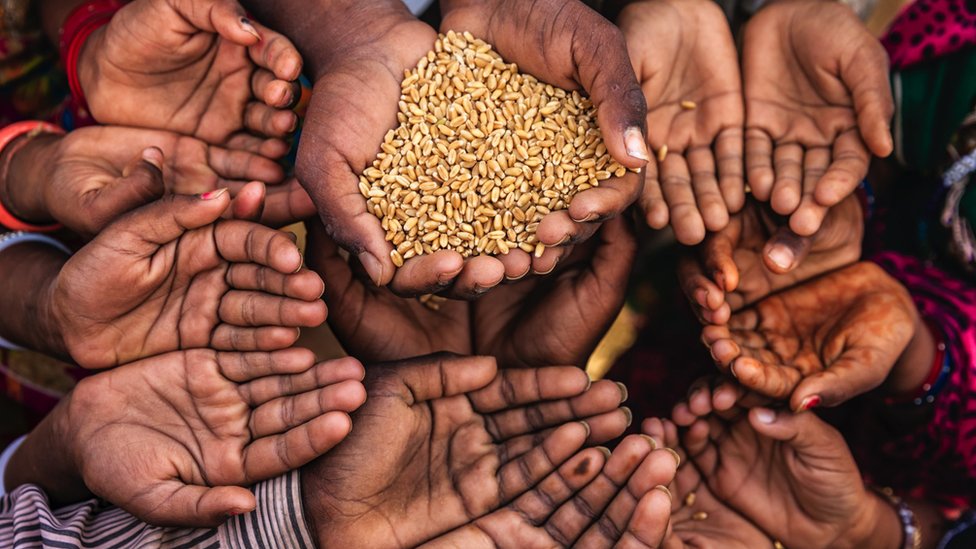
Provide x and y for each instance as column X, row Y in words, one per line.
column 688, row 67
column 757, row 255
column 174, row 438
column 170, row 276
column 198, row 68
column 817, row 100
column 820, row 343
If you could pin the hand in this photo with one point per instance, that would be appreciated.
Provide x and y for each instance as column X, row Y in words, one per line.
column 172, row 439
column 683, row 52
column 169, row 276
column 823, row 342
column 817, row 98
column 626, row 505
column 443, row 441
column 791, row 475
column 756, row 256
column 722, row 528
column 197, row 68
column 89, row 177
column 559, row 319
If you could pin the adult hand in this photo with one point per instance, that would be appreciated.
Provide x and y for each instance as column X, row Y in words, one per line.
column 174, row 438
column 169, row 276
column 793, row 476
column 821, row 343
column 443, row 441
column 688, row 67
column 197, row 68
column 757, row 255
column 817, row 100
column 625, row 505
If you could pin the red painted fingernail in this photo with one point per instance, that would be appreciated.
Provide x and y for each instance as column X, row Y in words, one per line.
column 213, row 194
column 809, row 402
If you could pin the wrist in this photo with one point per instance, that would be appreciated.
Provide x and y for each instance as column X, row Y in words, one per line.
column 916, row 362
column 881, row 527
column 87, row 69
column 23, row 188
column 30, row 321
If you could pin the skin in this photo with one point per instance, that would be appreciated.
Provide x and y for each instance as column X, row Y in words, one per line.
column 89, row 177
column 171, row 276
column 174, row 439
column 683, row 51
column 199, row 69
column 444, row 440
column 757, row 255
column 824, row 342
column 529, row 323
column 818, row 103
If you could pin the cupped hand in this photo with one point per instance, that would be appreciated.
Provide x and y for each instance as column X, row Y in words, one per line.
column 817, row 100
column 170, row 276
column 199, row 69
column 592, row 500
column 820, row 343
column 566, row 44
column 757, row 255
column 174, row 439
column 443, row 441
column 688, row 67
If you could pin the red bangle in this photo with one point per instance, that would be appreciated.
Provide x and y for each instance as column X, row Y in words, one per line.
column 938, row 363
column 8, row 135
column 79, row 25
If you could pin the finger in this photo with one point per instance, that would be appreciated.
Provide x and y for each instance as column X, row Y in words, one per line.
column 244, row 367
column 711, row 205
column 517, row 264
column 240, row 165
column 787, row 189
column 288, row 412
column 224, row 17
column 773, row 380
column 848, row 167
column 786, row 250
column 699, row 289
column 320, row 375
column 759, row 163
column 165, row 220
column 305, row 284
column 140, row 184
column 652, row 202
column 558, row 229
column 426, row 274
column 810, row 213
column 700, row 447
column 856, row 372
column 718, row 254
column 731, row 180
column 610, row 199
column 867, row 77
column 277, row 55
column 276, row 455
column 248, row 202
column 245, row 242
column 803, row 432
column 269, row 148
column 266, row 338
column 648, row 525
column 549, row 260
column 268, row 121
column 242, row 308
column 520, row 474
column 286, row 204
column 479, row 275
column 172, row 503
column 543, row 499
column 516, row 387
column 686, row 220
column 271, row 91
column 602, row 428
column 441, row 375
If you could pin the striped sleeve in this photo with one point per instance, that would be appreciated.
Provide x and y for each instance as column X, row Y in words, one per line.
column 27, row 522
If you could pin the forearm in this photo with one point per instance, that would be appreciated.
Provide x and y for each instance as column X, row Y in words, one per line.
column 29, row 170
column 29, row 272
column 45, row 460
column 915, row 363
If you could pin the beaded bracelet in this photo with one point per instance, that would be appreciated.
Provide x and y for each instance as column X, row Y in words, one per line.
column 77, row 28
column 938, row 374
column 8, row 135
column 8, row 240
column 909, row 522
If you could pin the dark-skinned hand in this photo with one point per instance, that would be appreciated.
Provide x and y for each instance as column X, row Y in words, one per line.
column 757, row 255
column 170, row 276
column 820, row 343
column 688, row 67
column 443, row 441
column 817, row 101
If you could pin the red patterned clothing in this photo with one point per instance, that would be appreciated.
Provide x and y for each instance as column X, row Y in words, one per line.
column 928, row 29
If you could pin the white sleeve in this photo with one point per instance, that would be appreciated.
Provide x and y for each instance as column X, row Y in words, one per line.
column 418, row 6
column 8, row 452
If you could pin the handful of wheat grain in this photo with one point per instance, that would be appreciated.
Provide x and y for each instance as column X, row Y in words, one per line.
column 481, row 154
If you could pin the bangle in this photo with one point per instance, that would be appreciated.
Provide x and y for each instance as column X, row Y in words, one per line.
column 78, row 26
column 8, row 240
column 8, row 135
column 909, row 522
column 938, row 374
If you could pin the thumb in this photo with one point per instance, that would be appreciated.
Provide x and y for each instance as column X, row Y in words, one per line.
column 867, row 76
column 141, row 183
column 803, row 432
column 224, row 17
column 248, row 205
column 785, row 250
column 198, row 506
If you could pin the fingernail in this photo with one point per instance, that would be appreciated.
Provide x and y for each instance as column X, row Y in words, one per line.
column 765, row 415
column 153, row 156
column 212, row 195
column 588, row 219
column 446, row 278
column 565, row 240
column 628, row 414
column 519, row 277
column 249, row 28
column 604, row 450
column 635, row 144
column 732, row 369
column 589, row 383
column 664, row 489
column 781, row 256
column 551, row 269
column 623, row 391
column 372, row 265
column 587, row 427
column 808, row 403
column 677, row 458
column 650, row 440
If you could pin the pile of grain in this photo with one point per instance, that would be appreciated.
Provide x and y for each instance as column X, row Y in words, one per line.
column 481, row 154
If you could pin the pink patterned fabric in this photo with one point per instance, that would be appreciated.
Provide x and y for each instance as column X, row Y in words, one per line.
column 938, row 461
column 928, row 29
